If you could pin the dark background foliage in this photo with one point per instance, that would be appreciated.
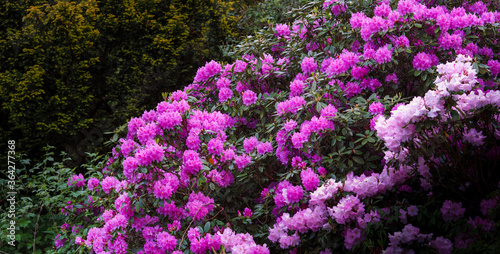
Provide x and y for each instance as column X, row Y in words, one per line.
column 72, row 70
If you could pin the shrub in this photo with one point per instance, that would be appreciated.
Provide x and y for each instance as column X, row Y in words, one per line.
column 358, row 127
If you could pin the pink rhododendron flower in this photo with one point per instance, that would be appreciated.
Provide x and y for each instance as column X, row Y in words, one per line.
column 152, row 152
column 452, row 211
column 352, row 89
column 250, row 143
column 129, row 166
column 329, row 111
column 474, row 137
column 242, row 161
column 249, row 97
column 247, row 212
column 166, row 241
column 192, row 162
column 291, row 105
column 383, row 55
column 209, row 70
column 110, row 183
column 296, row 88
column 169, row 120
column 199, row 205
column 347, row 209
column 215, row 146
column 422, row 61
column 442, row 245
column 413, row 210
column 240, row 66
column 178, row 96
column 391, row 77
column 352, row 237
column 494, row 67
column 128, row 145
column 293, row 194
column 282, row 30
column 122, row 205
column 359, row 72
column 308, row 65
column 382, row 10
column 298, row 139
column 165, row 187
column 225, row 94
column 336, row 67
column 148, row 132
column 76, row 181
column 310, row 180
column 376, row 108
column 264, row 147
column 93, row 183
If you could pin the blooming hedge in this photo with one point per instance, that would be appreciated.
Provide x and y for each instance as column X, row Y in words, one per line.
column 359, row 127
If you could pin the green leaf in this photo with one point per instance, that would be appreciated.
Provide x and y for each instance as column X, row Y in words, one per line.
column 206, row 228
column 318, row 107
column 201, row 180
column 358, row 160
column 454, row 115
column 427, row 125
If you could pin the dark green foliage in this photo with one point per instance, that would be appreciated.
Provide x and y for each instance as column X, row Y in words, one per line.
column 70, row 68
column 42, row 190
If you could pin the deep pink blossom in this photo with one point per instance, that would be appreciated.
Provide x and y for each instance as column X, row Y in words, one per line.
column 215, row 146
column 359, row 72
column 382, row 10
column 308, row 65
column 164, row 188
column 225, row 94
column 169, row 120
column 383, row 55
column 282, row 30
column 310, row 180
column 352, row 89
column 376, row 108
column 264, row 147
column 209, row 70
column 110, row 183
column 242, row 161
column 422, row 61
column 293, row 194
column 199, row 205
column 192, row 162
column 296, row 88
column 93, row 183
column 178, row 96
column 494, row 67
column 249, row 97
column 166, row 241
column 329, row 111
column 249, row 144
column 76, row 181
column 298, row 139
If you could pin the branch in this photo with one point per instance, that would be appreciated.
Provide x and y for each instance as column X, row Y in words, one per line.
column 36, row 228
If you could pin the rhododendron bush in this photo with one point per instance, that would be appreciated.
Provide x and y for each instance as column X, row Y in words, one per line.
column 363, row 127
